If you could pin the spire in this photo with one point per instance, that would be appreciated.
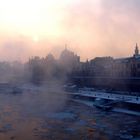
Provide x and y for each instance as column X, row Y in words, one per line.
column 136, row 50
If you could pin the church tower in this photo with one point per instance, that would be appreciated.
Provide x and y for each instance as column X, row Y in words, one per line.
column 136, row 51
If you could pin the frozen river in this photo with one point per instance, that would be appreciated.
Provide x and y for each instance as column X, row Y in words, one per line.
column 51, row 116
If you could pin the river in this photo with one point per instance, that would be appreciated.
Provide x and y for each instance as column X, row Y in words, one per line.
column 52, row 116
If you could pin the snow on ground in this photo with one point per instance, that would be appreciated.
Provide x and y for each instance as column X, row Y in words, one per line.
column 111, row 96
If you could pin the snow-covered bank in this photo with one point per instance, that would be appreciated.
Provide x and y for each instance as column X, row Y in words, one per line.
column 110, row 96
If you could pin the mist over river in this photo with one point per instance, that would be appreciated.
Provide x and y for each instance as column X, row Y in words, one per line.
column 52, row 116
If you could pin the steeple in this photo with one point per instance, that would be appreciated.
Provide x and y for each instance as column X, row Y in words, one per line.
column 136, row 50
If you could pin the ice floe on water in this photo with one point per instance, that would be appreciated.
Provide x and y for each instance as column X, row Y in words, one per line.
column 61, row 115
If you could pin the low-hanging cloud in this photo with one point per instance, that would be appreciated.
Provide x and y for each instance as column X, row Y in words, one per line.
column 97, row 27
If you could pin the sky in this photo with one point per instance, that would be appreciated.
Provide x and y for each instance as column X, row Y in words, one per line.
column 90, row 28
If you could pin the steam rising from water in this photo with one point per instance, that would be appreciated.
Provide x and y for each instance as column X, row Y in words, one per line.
column 47, row 100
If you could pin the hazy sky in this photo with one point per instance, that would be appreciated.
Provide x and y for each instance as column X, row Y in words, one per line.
column 90, row 27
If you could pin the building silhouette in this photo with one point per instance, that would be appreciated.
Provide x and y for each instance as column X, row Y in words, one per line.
column 108, row 72
column 110, row 67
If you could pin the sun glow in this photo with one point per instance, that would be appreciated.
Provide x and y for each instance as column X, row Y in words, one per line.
column 35, row 17
column 30, row 17
column 35, row 38
column 90, row 27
